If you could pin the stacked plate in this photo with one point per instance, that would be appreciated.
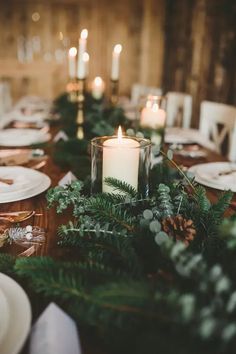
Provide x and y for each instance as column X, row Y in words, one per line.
column 15, row 318
column 26, row 183
column 23, row 137
column 217, row 175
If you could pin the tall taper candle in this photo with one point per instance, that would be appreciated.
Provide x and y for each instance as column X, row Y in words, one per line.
column 72, row 62
column 115, row 67
column 81, row 73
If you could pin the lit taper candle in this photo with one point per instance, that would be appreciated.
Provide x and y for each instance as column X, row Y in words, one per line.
column 82, row 50
column 120, row 161
column 72, row 62
column 115, row 67
column 86, row 63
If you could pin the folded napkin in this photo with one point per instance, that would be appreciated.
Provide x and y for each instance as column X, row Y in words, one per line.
column 54, row 333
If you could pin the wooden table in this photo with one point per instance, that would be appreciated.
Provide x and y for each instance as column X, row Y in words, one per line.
column 50, row 220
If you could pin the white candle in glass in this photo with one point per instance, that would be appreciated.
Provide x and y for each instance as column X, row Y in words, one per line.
column 120, row 161
column 72, row 62
column 152, row 116
column 115, row 67
column 98, row 88
column 82, row 49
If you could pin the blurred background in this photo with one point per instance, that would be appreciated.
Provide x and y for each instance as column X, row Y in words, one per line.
column 184, row 45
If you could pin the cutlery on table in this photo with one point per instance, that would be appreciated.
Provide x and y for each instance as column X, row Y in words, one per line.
column 19, row 216
column 7, row 181
column 228, row 172
column 27, row 253
column 39, row 165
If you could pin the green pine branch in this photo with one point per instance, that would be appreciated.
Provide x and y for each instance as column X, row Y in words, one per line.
column 103, row 244
column 105, row 211
column 121, row 186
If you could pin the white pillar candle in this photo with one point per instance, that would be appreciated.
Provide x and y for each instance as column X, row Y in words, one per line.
column 98, row 88
column 115, row 67
column 152, row 116
column 72, row 62
column 120, row 161
column 81, row 73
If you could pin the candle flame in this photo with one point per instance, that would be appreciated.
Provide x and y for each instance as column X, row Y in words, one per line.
column 155, row 107
column 152, row 103
column 119, row 134
column 98, row 80
column 72, row 52
column 84, row 34
column 85, row 57
column 118, row 48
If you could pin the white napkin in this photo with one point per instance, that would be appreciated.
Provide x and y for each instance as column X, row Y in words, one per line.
column 61, row 135
column 67, row 179
column 54, row 333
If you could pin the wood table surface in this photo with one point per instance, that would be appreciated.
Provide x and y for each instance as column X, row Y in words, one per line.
column 50, row 221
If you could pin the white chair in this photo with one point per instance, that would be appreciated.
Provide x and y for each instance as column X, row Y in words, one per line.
column 5, row 97
column 139, row 90
column 5, row 104
column 179, row 109
column 217, row 122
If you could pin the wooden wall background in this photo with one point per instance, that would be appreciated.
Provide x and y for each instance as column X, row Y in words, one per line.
column 184, row 45
column 200, row 50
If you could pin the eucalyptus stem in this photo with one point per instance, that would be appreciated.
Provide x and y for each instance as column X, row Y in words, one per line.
column 178, row 168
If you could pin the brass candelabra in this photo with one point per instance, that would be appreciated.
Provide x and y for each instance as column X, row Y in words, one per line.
column 114, row 92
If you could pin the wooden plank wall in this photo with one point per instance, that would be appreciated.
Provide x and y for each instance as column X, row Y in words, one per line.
column 109, row 22
column 183, row 45
column 200, row 50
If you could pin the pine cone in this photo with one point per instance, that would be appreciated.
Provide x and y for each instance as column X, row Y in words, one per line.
column 179, row 228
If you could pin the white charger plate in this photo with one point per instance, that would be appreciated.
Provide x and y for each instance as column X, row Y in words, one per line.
column 23, row 179
column 30, row 118
column 175, row 135
column 22, row 137
column 207, row 174
column 4, row 316
column 37, row 182
column 20, row 316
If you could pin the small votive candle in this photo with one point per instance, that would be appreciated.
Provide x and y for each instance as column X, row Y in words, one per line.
column 98, row 87
column 153, row 117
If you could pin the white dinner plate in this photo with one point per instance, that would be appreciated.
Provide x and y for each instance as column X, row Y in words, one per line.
column 209, row 175
column 27, row 183
column 174, row 135
column 4, row 316
column 20, row 316
column 35, row 117
column 22, row 137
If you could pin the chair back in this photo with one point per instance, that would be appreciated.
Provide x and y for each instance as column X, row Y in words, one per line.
column 5, row 97
column 179, row 109
column 218, row 123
